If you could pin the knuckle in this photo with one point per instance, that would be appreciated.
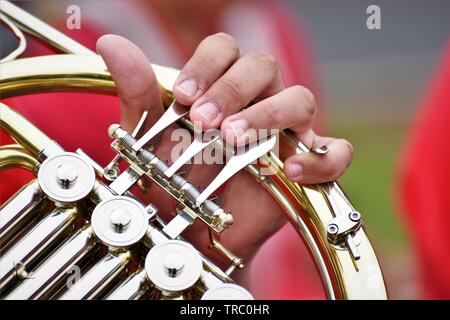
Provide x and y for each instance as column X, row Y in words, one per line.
column 305, row 95
column 266, row 59
column 230, row 88
column 272, row 115
column 204, row 62
column 227, row 40
column 225, row 37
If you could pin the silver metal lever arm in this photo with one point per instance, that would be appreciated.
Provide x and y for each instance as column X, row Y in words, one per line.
column 125, row 181
column 197, row 145
column 140, row 124
column 172, row 114
column 235, row 164
column 135, row 133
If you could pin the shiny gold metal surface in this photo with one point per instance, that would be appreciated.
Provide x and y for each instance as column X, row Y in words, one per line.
column 15, row 156
column 30, row 137
column 349, row 270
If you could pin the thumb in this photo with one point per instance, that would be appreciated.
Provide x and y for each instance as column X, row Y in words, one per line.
column 135, row 80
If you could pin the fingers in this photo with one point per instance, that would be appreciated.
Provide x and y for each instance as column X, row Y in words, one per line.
column 241, row 84
column 214, row 55
column 220, row 84
column 135, row 80
column 292, row 108
column 307, row 168
column 217, row 83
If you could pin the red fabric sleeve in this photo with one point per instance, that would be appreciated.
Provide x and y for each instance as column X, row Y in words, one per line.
column 424, row 185
column 292, row 273
column 81, row 120
column 72, row 119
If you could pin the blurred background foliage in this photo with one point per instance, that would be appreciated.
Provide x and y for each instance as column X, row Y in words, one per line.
column 369, row 179
column 370, row 84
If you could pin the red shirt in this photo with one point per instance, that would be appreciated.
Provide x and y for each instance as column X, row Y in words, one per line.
column 81, row 120
column 424, row 185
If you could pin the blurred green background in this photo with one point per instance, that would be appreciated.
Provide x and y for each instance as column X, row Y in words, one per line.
column 371, row 83
column 369, row 178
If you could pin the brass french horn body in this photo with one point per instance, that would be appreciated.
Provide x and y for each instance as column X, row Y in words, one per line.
column 77, row 214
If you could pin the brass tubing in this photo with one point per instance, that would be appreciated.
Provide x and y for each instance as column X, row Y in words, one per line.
column 22, row 41
column 23, row 131
column 19, row 210
column 309, row 211
column 50, row 274
column 42, row 30
column 135, row 287
column 15, row 263
column 342, row 277
column 99, row 278
column 15, row 156
column 88, row 73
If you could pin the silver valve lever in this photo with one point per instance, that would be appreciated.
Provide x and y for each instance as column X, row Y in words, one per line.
column 197, row 145
column 352, row 247
column 172, row 114
column 177, row 225
column 237, row 162
column 129, row 177
column 140, row 124
column 109, row 171
column 125, row 181
column 342, row 229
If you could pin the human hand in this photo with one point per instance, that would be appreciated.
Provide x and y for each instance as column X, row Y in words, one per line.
column 218, row 82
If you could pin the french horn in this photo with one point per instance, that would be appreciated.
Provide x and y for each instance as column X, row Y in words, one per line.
column 76, row 213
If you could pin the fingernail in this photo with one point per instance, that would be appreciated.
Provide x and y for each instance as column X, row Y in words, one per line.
column 293, row 170
column 188, row 87
column 208, row 110
column 238, row 126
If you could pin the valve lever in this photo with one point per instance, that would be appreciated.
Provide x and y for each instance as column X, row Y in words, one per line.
column 125, row 181
column 140, row 124
column 95, row 165
column 110, row 167
column 235, row 164
column 178, row 224
column 172, row 114
column 197, row 145
column 352, row 247
column 321, row 151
